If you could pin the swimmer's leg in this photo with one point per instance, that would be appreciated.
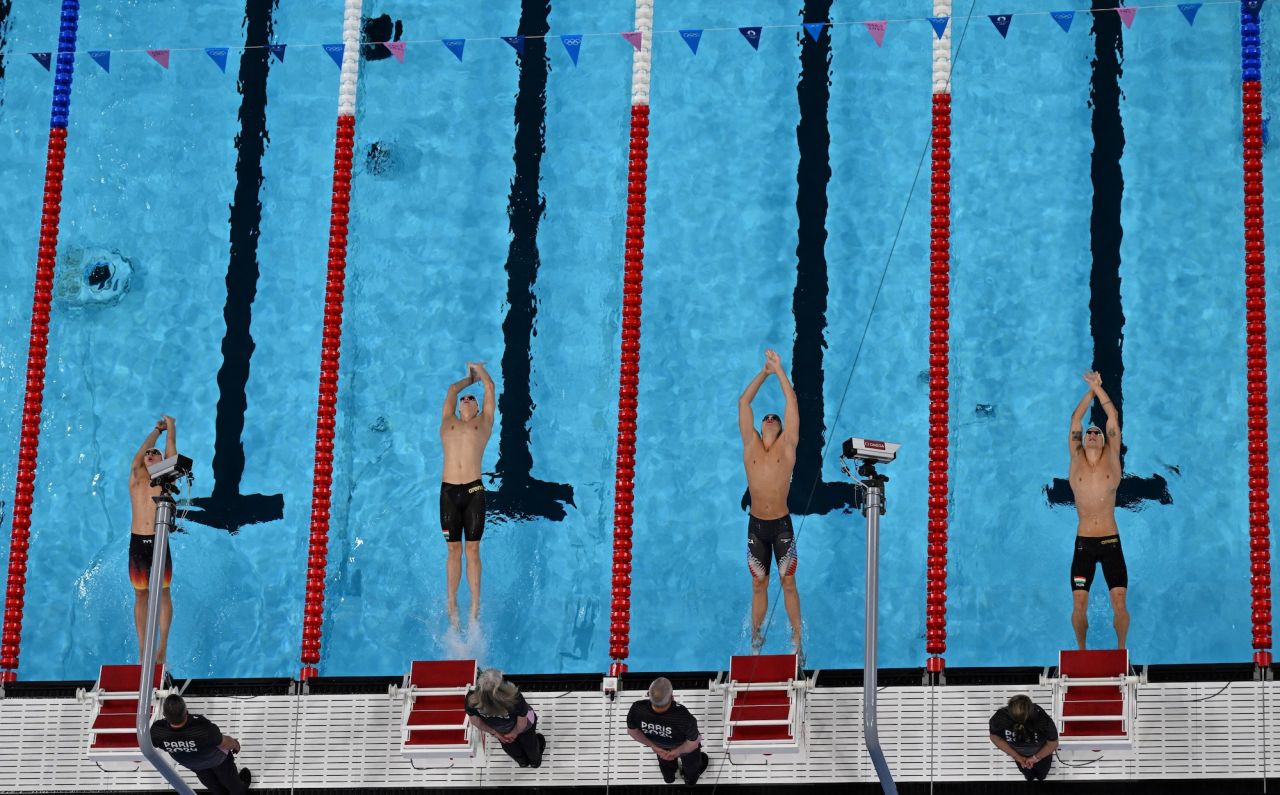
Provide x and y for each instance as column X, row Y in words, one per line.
column 473, row 577
column 140, row 617
column 453, row 573
column 759, row 606
column 1080, row 615
column 1121, row 612
column 791, row 598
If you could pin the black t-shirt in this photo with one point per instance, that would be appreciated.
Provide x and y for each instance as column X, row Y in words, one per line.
column 502, row 723
column 667, row 729
column 1037, row 731
column 194, row 746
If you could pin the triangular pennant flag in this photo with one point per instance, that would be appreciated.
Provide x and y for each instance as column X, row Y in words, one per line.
column 1064, row 19
column 455, row 46
column 635, row 38
column 219, row 56
column 278, row 51
column 814, row 29
column 102, row 58
column 692, row 37
column 752, row 35
column 876, row 29
column 1189, row 11
column 1127, row 15
column 572, row 44
column 516, row 42
column 1001, row 21
column 397, row 49
column 939, row 25
column 335, row 52
column 161, row 56
column 45, row 58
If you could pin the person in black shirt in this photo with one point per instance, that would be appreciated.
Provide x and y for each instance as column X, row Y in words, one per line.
column 670, row 730
column 498, row 707
column 1026, row 733
column 195, row 743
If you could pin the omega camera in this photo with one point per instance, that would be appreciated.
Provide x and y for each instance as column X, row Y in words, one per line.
column 871, row 450
column 168, row 472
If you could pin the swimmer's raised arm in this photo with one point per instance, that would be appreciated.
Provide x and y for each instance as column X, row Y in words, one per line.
column 477, row 371
column 746, row 418
column 170, row 436
column 791, row 414
column 1075, row 442
column 1094, row 380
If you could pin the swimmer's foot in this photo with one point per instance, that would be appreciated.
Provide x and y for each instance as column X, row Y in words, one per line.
column 799, row 649
column 757, row 641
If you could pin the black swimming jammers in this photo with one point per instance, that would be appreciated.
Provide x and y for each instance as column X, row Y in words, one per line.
column 771, row 535
column 462, row 509
column 1090, row 551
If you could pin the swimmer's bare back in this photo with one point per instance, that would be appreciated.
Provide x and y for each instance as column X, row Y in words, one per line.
column 143, row 522
column 769, row 455
column 1095, row 464
column 465, row 429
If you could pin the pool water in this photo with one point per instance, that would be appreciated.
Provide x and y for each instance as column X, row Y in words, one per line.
column 163, row 249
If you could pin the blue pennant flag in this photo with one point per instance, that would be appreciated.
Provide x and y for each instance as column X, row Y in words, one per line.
column 1064, row 19
column 1001, row 21
column 102, row 58
column 939, row 24
column 692, row 37
column 1189, row 11
column 814, row 29
column 45, row 58
column 572, row 44
column 219, row 56
column 335, row 52
column 278, row 51
column 516, row 42
column 752, row 35
column 455, row 46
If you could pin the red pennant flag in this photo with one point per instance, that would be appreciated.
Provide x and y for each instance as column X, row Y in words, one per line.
column 161, row 56
column 397, row 49
column 1127, row 15
column 877, row 29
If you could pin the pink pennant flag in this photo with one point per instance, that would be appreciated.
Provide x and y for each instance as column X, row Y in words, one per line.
column 397, row 49
column 1127, row 15
column 876, row 29
column 161, row 56
column 635, row 37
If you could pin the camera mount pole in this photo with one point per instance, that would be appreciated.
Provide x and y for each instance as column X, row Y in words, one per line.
column 872, row 508
column 164, row 523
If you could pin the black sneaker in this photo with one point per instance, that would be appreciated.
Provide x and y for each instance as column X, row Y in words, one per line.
column 246, row 777
column 542, row 748
column 706, row 760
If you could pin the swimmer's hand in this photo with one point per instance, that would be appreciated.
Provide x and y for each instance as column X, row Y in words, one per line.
column 168, row 422
column 772, row 364
column 1093, row 379
column 160, row 425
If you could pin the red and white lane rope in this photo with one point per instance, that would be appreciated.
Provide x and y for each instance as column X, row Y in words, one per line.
column 1255, row 266
column 939, row 346
column 37, row 352
column 629, row 370
column 331, row 343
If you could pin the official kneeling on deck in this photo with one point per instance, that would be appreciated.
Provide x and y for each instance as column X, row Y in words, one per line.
column 196, row 743
column 670, row 730
column 1025, row 732
column 498, row 707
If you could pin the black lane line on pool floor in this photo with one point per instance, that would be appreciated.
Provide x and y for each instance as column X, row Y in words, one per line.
column 1106, row 314
column 227, row 508
column 519, row 495
column 809, row 493
column 6, row 6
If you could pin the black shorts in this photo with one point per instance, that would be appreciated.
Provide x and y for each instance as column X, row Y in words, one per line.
column 764, row 534
column 462, row 508
column 140, row 549
column 1092, row 551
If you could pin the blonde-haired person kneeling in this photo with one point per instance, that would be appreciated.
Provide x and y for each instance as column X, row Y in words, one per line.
column 1026, row 733
column 498, row 707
